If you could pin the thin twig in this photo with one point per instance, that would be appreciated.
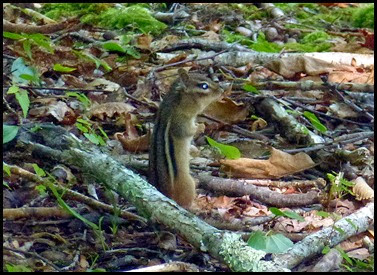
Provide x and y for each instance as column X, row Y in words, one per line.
column 237, row 129
column 36, row 255
column 324, row 115
column 158, row 69
column 335, row 143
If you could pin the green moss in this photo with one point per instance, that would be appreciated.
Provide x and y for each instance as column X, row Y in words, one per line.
column 131, row 16
column 317, row 15
column 56, row 11
column 364, row 17
column 261, row 45
column 134, row 16
column 315, row 37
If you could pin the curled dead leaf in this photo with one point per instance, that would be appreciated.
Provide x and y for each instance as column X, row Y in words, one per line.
column 135, row 144
column 110, row 109
column 227, row 110
column 278, row 165
column 362, row 190
column 59, row 110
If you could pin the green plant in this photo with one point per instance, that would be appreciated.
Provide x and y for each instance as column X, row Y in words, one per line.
column 22, row 97
column 23, row 74
column 363, row 17
column 50, row 183
column 269, row 242
column 228, row 151
column 315, row 122
column 86, row 128
column 289, row 214
column 339, row 186
column 9, row 132
column 92, row 58
column 250, row 88
column 17, row 268
column 82, row 98
column 116, row 47
column 63, row 69
column 28, row 40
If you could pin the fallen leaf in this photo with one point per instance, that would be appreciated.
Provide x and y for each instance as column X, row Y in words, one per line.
column 362, row 190
column 59, row 110
column 109, row 109
column 278, row 165
column 227, row 110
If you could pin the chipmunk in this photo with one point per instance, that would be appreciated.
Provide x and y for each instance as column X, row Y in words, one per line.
column 169, row 157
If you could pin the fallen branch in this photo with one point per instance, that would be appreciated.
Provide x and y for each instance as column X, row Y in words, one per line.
column 313, row 244
column 263, row 194
column 46, row 29
column 225, row 246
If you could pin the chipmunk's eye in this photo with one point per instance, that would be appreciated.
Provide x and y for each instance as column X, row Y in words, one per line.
column 203, row 86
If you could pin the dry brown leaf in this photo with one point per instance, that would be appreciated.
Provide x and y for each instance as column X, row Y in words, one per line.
column 227, row 110
column 177, row 58
column 278, row 165
column 110, row 109
column 258, row 124
column 134, row 144
column 166, row 41
column 104, row 84
column 130, row 138
column 362, row 190
column 360, row 254
column 211, row 35
column 58, row 110
column 144, row 41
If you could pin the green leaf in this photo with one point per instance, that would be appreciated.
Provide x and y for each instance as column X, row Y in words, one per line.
column 326, row 250
column 5, row 184
column 340, row 230
column 81, row 97
column 93, row 138
column 344, row 255
column 39, row 171
column 288, row 214
column 276, row 211
column 6, row 169
column 82, row 127
column 20, row 71
column 17, row 268
column 315, row 122
column 23, row 99
column 14, row 89
column 250, row 88
column 352, row 223
column 69, row 209
column 83, row 121
column 63, row 69
column 323, row 214
column 134, row 53
column 114, row 47
column 278, row 243
column 95, row 60
column 228, row 151
column 12, row 35
column 103, row 133
column 42, row 41
column 9, row 132
column 41, row 189
column 27, row 48
column 257, row 240
column 293, row 215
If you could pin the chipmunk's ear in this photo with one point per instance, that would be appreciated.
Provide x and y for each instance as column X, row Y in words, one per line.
column 183, row 75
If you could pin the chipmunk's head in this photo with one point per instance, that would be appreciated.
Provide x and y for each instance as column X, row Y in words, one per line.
column 197, row 88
